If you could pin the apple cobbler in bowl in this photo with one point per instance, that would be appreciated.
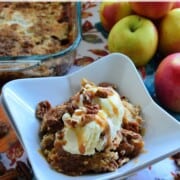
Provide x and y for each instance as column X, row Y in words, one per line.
column 96, row 130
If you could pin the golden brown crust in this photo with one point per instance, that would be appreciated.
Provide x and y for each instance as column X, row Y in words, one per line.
column 77, row 164
column 31, row 28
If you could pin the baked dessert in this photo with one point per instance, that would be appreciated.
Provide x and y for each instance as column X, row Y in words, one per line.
column 34, row 36
column 35, row 28
column 96, row 130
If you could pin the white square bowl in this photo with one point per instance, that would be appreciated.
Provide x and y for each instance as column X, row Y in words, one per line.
column 20, row 98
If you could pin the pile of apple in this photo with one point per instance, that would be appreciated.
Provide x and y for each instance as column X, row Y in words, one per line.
column 140, row 30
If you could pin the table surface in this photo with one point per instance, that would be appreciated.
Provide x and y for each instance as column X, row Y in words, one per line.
column 13, row 158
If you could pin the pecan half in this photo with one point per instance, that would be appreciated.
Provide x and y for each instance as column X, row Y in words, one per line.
column 92, row 109
column 103, row 92
column 42, row 108
column 106, row 84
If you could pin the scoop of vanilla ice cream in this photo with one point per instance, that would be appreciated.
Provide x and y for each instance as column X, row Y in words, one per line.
column 86, row 132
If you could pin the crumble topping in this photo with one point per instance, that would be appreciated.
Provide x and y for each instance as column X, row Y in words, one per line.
column 34, row 28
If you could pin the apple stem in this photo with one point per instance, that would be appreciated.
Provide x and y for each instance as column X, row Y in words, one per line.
column 134, row 26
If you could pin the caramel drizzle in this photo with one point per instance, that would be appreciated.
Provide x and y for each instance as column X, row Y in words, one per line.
column 101, row 121
column 106, row 129
column 114, row 108
column 106, row 132
column 80, row 139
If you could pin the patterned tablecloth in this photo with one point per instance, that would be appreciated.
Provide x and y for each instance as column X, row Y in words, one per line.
column 13, row 158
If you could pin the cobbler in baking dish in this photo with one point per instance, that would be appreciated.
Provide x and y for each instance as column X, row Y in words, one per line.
column 35, row 28
column 96, row 130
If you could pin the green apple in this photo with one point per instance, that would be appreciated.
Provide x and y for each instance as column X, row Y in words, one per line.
column 169, row 32
column 135, row 36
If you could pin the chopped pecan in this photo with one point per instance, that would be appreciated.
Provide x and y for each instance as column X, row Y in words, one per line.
column 132, row 126
column 92, row 109
column 55, row 113
column 52, row 120
column 71, row 123
column 47, row 141
column 42, row 108
column 87, row 97
column 103, row 92
column 106, row 84
column 59, row 141
column 51, row 126
column 131, row 144
column 71, row 107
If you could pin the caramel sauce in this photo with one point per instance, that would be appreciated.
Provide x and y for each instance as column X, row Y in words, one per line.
column 114, row 108
column 79, row 134
column 102, row 122
column 99, row 119
column 105, row 126
column 79, row 113
column 107, row 112
column 108, row 135
column 87, row 118
column 82, row 148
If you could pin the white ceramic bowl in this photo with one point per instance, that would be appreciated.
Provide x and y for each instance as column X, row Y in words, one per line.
column 20, row 97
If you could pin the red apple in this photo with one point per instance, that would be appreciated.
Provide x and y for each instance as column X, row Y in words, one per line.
column 176, row 4
column 167, row 82
column 111, row 12
column 152, row 10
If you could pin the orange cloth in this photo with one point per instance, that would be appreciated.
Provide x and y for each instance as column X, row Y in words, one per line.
column 10, row 138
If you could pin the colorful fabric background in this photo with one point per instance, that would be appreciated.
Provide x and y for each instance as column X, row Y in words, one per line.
column 13, row 158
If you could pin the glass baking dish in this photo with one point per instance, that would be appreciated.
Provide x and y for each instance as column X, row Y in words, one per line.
column 53, row 64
